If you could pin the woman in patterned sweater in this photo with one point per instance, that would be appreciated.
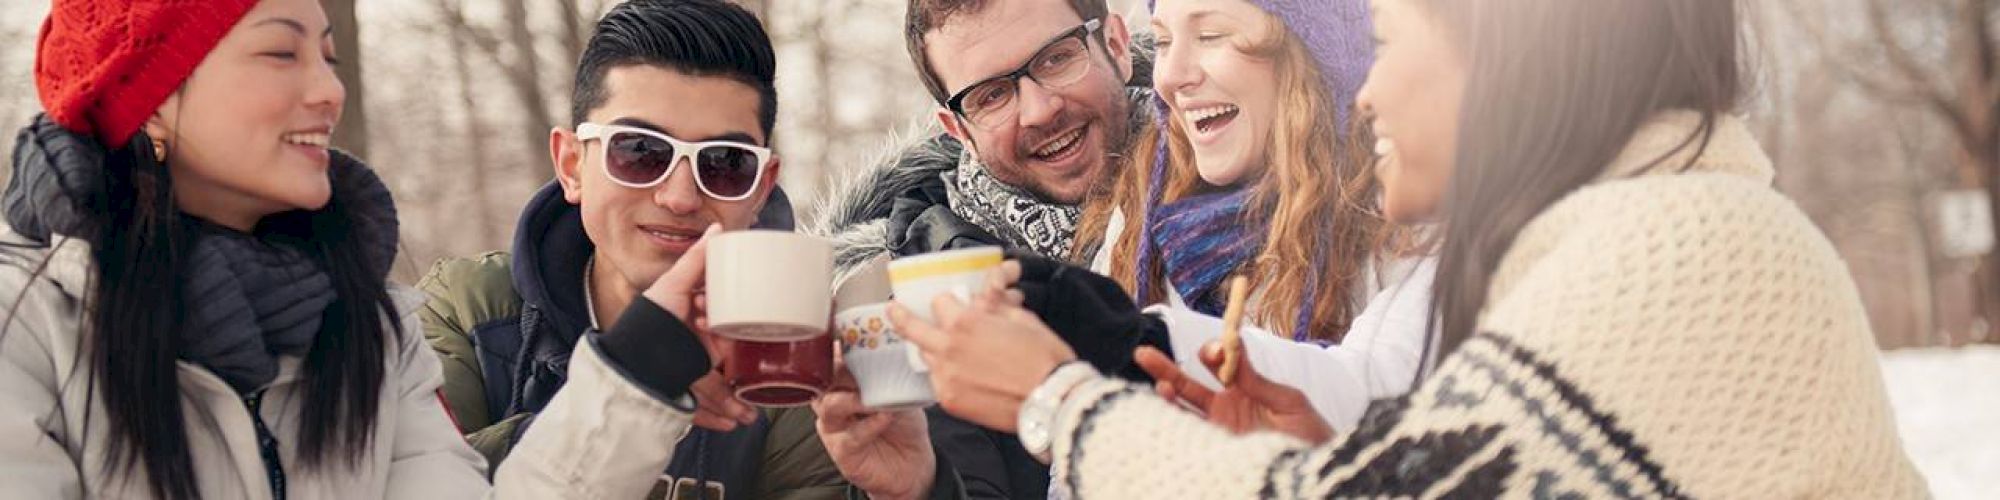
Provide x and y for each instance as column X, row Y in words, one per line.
column 1625, row 306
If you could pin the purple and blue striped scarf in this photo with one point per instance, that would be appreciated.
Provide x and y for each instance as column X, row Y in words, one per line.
column 1202, row 240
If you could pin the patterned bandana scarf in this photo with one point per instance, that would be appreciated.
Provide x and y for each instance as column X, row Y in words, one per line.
column 1009, row 212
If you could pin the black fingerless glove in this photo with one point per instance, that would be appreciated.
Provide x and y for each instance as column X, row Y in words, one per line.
column 1091, row 313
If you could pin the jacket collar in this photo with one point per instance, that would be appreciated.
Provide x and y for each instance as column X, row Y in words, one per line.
column 550, row 249
column 1662, row 146
column 68, row 262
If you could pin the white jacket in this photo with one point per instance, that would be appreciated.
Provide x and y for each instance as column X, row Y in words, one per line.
column 602, row 436
column 1377, row 358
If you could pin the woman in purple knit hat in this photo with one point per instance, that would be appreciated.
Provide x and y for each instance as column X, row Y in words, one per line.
column 1254, row 168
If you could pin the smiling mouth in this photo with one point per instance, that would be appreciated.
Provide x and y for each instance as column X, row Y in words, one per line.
column 1210, row 118
column 309, row 139
column 1061, row 147
column 671, row 235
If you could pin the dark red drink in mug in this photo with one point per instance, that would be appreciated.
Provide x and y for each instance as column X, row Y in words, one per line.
column 780, row 374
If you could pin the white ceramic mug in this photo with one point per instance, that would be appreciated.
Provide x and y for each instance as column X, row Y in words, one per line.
column 880, row 360
column 769, row 286
column 918, row 280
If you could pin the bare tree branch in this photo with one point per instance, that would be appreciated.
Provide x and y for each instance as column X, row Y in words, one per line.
column 1922, row 81
column 1911, row 82
column 573, row 34
column 526, row 75
column 1909, row 89
column 452, row 14
column 522, row 72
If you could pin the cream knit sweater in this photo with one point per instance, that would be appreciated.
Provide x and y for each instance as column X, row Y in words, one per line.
column 1655, row 334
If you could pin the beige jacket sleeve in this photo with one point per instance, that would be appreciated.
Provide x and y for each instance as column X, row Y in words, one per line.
column 430, row 460
column 33, row 461
column 602, row 436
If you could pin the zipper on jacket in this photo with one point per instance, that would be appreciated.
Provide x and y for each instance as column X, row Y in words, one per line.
column 267, row 445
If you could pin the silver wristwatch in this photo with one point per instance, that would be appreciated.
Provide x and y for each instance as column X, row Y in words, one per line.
column 1036, row 423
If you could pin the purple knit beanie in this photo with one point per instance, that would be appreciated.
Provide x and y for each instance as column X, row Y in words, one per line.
column 1338, row 34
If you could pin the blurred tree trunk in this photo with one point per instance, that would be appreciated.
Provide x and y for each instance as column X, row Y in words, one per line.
column 525, row 73
column 823, row 33
column 475, row 140
column 1923, row 266
column 352, row 134
column 574, row 35
column 1963, row 91
column 522, row 71
column 824, row 60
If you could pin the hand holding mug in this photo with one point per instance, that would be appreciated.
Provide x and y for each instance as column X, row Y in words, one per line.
column 984, row 356
column 886, row 453
column 680, row 292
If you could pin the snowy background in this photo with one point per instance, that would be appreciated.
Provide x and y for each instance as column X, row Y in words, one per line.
column 1948, row 408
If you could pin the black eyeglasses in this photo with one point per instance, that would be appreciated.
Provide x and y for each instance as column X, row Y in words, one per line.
column 1062, row 61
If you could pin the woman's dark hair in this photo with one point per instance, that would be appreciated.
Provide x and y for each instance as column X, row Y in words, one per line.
column 1554, row 91
column 136, row 310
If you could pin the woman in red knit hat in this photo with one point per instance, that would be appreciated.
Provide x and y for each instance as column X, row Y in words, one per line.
column 197, row 286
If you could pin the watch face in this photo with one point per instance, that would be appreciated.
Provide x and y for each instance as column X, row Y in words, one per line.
column 1033, row 427
column 1034, row 435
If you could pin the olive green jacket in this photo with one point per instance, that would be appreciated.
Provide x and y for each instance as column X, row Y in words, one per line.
column 474, row 301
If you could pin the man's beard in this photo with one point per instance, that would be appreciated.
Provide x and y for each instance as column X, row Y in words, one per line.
column 1116, row 128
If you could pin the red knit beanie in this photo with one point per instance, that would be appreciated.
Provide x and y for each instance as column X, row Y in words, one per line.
column 103, row 66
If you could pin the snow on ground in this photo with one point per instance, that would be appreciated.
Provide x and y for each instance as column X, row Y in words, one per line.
column 1948, row 409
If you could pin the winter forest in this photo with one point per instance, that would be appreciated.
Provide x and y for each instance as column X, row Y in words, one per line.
column 1883, row 117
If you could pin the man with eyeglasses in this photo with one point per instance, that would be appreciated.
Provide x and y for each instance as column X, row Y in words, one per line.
column 673, row 109
column 1036, row 100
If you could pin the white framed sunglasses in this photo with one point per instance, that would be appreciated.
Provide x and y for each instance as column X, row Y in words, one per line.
column 639, row 158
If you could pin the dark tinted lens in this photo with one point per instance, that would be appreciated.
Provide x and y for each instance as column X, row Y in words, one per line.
column 637, row 158
column 727, row 171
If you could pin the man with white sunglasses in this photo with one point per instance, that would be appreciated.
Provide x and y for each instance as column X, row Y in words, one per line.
column 672, row 111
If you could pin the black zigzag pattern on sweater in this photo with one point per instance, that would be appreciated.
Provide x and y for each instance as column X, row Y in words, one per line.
column 1476, row 460
column 1621, row 439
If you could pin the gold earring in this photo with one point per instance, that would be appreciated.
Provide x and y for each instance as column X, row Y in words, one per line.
column 160, row 150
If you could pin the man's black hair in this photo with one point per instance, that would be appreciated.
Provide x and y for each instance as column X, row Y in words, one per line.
column 695, row 37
